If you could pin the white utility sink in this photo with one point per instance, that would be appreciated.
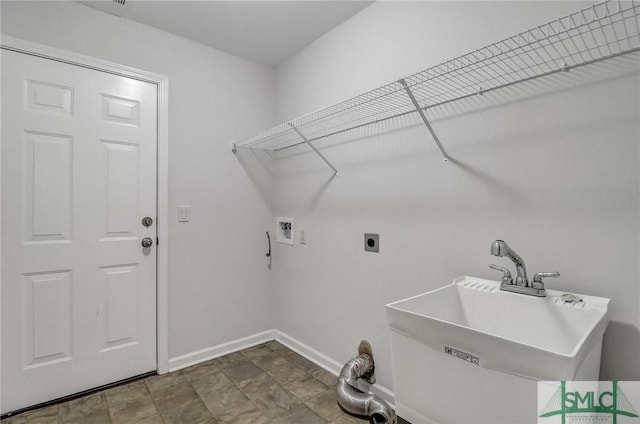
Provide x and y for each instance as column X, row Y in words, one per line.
column 470, row 325
column 539, row 337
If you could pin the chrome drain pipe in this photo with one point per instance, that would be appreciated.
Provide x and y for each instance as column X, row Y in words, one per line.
column 353, row 400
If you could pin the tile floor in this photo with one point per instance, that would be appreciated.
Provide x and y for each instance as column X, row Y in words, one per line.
column 263, row 384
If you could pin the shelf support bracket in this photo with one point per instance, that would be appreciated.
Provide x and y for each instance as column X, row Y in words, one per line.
column 306, row 140
column 445, row 155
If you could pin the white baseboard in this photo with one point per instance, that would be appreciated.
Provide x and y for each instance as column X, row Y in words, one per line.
column 315, row 356
column 308, row 352
column 213, row 352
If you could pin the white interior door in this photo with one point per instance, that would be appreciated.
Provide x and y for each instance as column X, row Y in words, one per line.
column 78, row 176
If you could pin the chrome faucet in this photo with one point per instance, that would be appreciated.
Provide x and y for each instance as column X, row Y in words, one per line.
column 521, row 284
column 500, row 248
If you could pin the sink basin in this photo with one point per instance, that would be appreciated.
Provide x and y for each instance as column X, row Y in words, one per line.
column 542, row 338
column 471, row 353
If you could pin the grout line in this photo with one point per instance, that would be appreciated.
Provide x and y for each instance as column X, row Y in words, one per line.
column 106, row 401
column 153, row 400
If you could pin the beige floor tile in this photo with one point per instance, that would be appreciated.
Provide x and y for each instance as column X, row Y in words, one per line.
column 235, row 416
column 277, row 347
column 174, row 396
column 227, row 404
column 126, row 390
column 257, row 352
column 350, row 419
column 286, row 373
column 306, row 388
column 258, row 385
column 326, row 405
column 91, row 409
column 102, row 418
column 133, row 410
column 47, row 415
column 242, row 371
column 270, row 362
column 208, row 384
column 193, row 411
column 154, row 419
column 269, row 396
column 229, row 360
column 161, row 382
column 130, row 403
column 248, row 416
column 325, row 377
column 305, row 365
column 291, row 356
column 205, row 368
column 298, row 415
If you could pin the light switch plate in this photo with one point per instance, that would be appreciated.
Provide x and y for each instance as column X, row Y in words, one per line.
column 183, row 213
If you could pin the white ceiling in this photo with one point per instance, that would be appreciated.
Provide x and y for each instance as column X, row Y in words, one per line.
column 264, row 31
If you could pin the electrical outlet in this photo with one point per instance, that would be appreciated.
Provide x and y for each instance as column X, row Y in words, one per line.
column 371, row 242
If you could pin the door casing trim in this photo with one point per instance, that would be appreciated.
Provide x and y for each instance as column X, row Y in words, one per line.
column 162, row 221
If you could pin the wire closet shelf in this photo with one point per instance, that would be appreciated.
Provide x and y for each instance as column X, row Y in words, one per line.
column 602, row 31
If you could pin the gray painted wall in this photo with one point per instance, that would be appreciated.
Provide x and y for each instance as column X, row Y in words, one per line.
column 549, row 166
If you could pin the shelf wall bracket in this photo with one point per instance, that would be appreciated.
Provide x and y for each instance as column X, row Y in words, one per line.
column 445, row 155
column 306, row 140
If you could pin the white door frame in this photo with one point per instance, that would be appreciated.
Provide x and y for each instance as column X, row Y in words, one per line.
column 162, row 82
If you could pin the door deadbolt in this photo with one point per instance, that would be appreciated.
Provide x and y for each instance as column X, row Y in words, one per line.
column 147, row 242
column 147, row 221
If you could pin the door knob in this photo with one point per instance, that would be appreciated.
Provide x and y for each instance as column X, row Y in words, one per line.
column 147, row 242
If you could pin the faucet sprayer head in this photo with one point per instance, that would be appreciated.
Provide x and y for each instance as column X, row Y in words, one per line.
column 499, row 248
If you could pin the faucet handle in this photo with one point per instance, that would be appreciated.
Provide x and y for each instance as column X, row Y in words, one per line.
column 506, row 274
column 537, row 282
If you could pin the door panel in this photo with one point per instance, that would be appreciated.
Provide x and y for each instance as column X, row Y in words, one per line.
column 120, row 320
column 47, row 318
column 78, row 176
column 48, row 187
column 121, row 161
column 49, row 98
